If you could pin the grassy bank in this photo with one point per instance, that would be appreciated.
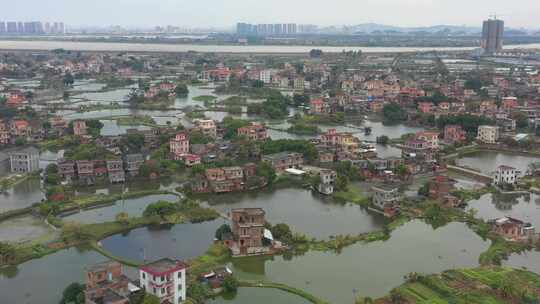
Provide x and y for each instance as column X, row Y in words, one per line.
column 309, row 297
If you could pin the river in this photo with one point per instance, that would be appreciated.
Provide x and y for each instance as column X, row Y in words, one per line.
column 176, row 48
column 488, row 161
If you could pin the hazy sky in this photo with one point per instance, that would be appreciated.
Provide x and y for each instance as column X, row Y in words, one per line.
column 225, row 13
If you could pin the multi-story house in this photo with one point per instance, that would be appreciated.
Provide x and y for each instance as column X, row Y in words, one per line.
column 179, row 145
column 425, row 107
column 66, row 169
column 133, row 163
column 165, row 279
column 488, row 134
column 5, row 134
column 105, row 283
column 386, row 198
column 505, row 175
column 79, row 128
column 284, row 160
column 115, row 169
column 432, row 138
column 207, row 126
column 24, row 160
column 454, row 134
column 513, row 229
column 20, row 128
column 248, row 231
column 255, row 131
column 85, row 172
column 327, row 181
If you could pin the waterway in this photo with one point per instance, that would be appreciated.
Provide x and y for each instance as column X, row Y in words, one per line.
column 22, row 195
column 488, row 161
column 304, row 211
column 42, row 281
column 370, row 269
column 522, row 207
column 248, row 295
column 134, row 207
column 174, row 48
column 182, row 241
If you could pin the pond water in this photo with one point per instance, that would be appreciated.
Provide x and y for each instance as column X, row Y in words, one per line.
column 488, row 161
column 23, row 229
column 161, row 184
column 528, row 260
column 87, row 86
column 112, row 128
column 247, row 295
column 117, row 95
column 304, row 211
column 182, row 241
column 370, row 269
column 523, row 207
column 42, row 281
column 134, row 207
column 22, row 195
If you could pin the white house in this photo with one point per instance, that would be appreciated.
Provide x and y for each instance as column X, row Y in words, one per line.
column 488, row 134
column 505, row 175
column 166, row 279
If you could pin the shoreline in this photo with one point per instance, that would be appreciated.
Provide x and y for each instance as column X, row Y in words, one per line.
column 135, row 47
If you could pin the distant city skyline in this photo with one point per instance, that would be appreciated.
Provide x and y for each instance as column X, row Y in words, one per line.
column 225, row 14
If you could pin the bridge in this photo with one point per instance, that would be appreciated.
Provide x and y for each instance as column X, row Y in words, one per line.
column 471, row 173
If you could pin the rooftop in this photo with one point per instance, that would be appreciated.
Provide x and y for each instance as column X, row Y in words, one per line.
column 164, row 265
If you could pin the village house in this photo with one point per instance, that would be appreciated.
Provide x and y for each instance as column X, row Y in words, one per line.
column 248, row 231
column 5, row 134
column 425, row 107
column 179, row 145
column 440, row 187
column 316, row 106
column 327, row 181
column 79, row 128
column 488, row 134
column 488, row 106
column 505, row 175
column 133, row 163
column 24, row 160
column 191, row 160
column 214, row 279
column 20, row 128
column 284, row 160
column 255, row 131
column 115, row 169
column 66, row 169
column 432, row 138
column 386, row 198
column 85, row 172
column 454, row 134
column 165, row 279
column 105, row 283
column 346, row 142
column 207, row 127
column 513, row 229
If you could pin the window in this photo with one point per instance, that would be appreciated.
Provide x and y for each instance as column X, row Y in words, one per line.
column 179, row 287
column 155, row 292
column 179, row 274
column 162, row 290
column 144, row 275
column 162, row 278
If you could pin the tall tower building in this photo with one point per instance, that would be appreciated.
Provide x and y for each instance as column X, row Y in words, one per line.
column 492, row 36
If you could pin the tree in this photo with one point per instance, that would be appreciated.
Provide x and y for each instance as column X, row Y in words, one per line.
column 266, row 171
column 20, row 141
column 73, row 231
column 160, row 208
column 181, row 90
column 73, row 294
column 150, row 299
column 198, row 292
column 393, row 113
column 134, row 141
column 258, row 84
column 230, row 284
column 4, row 185
column 281, row 232
column 342, row 183
column 222, row 231
column 383, row 140
column 68, row 80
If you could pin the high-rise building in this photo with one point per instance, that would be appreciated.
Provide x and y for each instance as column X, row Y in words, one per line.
column 492, row 36
column 266, row 29
column 2, row 27
column 11, row 27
